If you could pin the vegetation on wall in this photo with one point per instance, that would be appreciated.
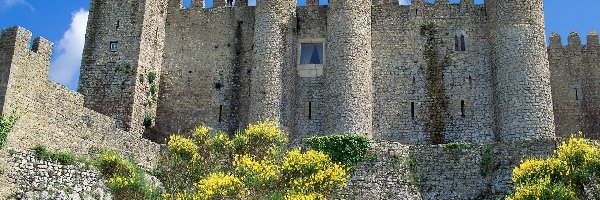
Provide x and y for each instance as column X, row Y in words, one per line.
column 6, row 124
column 345, row 149
column 434, row 84
column 62, row 157
column 573, row 172
column 125, row 180
column 456, row 149
column 151, row 96
column 488, row 164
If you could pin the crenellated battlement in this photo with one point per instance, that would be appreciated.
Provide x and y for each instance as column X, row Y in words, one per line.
column 18, row 56
column 574, row 40
column 18, row 39
column 437, row 8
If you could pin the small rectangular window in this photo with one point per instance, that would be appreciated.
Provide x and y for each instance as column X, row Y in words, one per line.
column 412, row 110
column 310, row 110
column 311, row 54
column 462, row 109
column 220, row 113
column 114, row 46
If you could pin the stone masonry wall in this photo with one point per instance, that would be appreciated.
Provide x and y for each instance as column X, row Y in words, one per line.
column 41, row 179
column 114, row 81
column 210, row 54
column 397, row 171
column 575, row 69
column 206, row 74
column 52, row 115
column 400, row 74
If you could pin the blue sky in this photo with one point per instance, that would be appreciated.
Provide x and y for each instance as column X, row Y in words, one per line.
column 63, row 22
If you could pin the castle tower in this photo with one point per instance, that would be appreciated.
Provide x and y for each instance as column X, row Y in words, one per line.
column 349, row 75
column 122, row 59
column 271, row 32
column 521, row 70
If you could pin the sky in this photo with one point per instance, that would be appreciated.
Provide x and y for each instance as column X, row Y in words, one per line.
column 64, row 23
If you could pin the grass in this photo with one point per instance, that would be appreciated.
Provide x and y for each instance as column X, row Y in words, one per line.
column 61, row 157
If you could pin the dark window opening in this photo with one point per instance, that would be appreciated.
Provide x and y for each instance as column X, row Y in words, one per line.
column 414, row 80
column 118, row 23
column 456, row 43
column 220, row 113
column 229, row 3
column 470, row 81
column 576, row 94
column 310, row 110
column 462, row 109
column 463, row 45
column 412, row 110
column 114, row 46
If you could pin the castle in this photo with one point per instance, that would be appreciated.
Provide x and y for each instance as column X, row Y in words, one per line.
column 349, row 67
column 419, row 74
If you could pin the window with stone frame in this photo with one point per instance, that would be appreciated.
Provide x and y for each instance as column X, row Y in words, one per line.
column 114, row 46
column 460, row 43
column 311, row 54
column 311, row 57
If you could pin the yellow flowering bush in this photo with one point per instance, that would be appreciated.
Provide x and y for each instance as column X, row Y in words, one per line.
column 219, row 186
column 124, row 179
column 312, row 171
column 257, row 173
column 182, row 146
column 574, row 167
column 311, row 196
column 252, row 165
column 259, row 139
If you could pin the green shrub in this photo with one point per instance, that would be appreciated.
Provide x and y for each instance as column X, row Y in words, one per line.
column 153, row 89
column 147, row 121
column 345, row 149
column 6, row 125
column 61, row 157
column 125, row 180
column 151, row 77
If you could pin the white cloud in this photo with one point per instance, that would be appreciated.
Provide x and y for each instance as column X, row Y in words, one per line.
column 64, row 68
column 11, row 3
column 405, row 2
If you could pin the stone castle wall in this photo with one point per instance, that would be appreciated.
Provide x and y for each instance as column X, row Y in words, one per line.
column 398, row 171
column 50, row 114
column 210, row 73
column 575, row 70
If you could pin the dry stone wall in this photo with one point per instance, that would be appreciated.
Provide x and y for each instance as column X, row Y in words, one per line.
column 41, row 179
column 575, row 70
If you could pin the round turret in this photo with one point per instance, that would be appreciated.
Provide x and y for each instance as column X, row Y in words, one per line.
column 521, row 70
column 273, row 19
column 349, row 75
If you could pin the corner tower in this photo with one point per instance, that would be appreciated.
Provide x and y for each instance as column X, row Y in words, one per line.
column 274, row 21
column 122, row 59
column 349, row 75
column 520, row 66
